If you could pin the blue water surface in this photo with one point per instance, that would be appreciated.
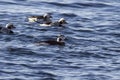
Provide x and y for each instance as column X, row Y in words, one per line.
column 92, row 50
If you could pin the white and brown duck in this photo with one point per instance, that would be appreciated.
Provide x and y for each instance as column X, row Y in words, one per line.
column 59, row 23
column 7, row 29
column 46, row 18
column 59, row 41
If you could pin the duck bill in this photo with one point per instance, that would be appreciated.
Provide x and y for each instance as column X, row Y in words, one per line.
column 51, row 17
column 13, row 26
column 65, row 22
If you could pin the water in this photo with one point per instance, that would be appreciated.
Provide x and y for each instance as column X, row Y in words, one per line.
column 92, row 50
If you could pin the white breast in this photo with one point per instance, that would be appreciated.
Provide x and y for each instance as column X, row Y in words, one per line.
column 32, row 19
column 45, row 24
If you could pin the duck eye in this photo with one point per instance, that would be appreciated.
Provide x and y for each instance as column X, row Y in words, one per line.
column 60, row 39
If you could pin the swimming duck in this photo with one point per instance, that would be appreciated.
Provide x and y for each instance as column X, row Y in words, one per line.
column 58, row 41
column 7, row 29
column 41, row 19
column 60, row 22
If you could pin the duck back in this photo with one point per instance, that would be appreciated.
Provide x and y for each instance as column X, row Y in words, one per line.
column 52, row 42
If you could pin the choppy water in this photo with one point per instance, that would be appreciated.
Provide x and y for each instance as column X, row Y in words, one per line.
column 92, row 50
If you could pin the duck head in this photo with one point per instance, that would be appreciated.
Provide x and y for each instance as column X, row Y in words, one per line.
column 60, row 38
column 47, row 16
column 10, row 26
column 62, row 21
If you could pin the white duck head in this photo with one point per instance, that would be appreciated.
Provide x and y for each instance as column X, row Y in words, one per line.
column 60, row 38
column 10, row 26
column 62, row 21
column 46, row 15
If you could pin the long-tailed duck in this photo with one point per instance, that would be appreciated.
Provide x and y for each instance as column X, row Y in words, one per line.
column 60, row 22
column 58, row 41
column 7, row 29
column 41, row 19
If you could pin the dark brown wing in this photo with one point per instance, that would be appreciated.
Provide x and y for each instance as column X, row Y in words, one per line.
column 54, row 43
column 38, row 17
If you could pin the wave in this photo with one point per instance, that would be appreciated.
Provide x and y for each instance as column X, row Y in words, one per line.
column 93, row 5
column 62, row 4
column 78, row 5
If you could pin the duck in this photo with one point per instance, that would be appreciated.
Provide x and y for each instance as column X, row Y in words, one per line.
column 59, row 41
column 59, row 23
column 7, row 29
column 41, row 19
